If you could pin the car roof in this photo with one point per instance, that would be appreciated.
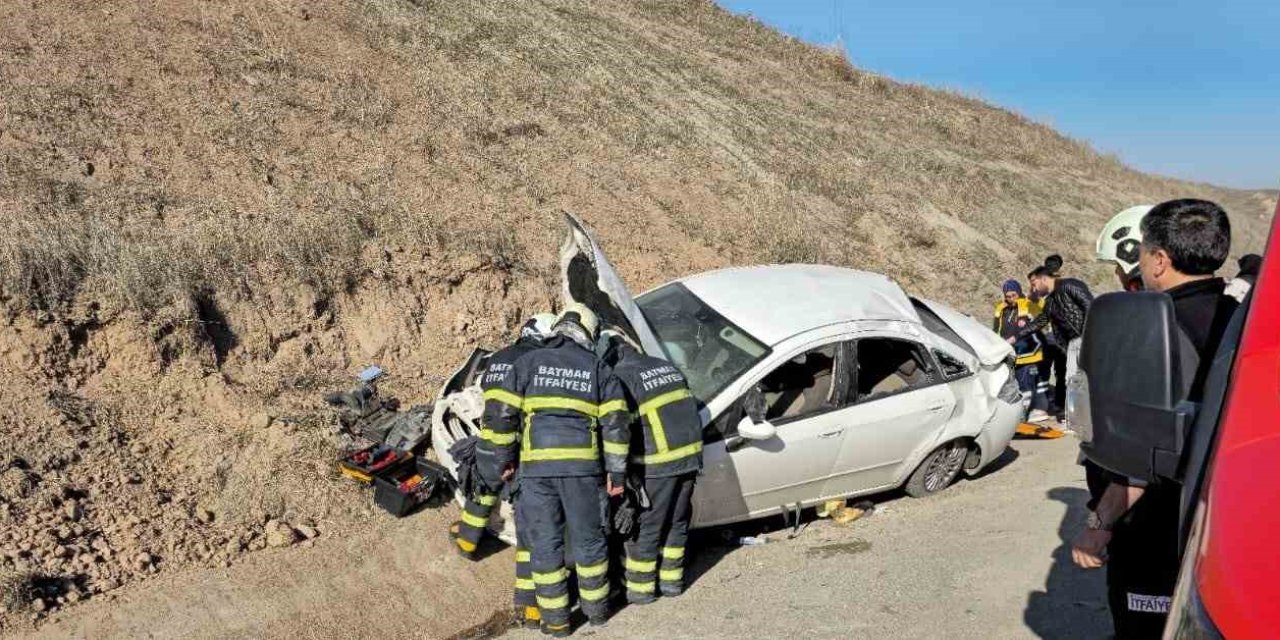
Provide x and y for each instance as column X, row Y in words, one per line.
column 776, row 302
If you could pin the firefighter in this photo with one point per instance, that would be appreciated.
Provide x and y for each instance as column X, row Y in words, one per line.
column 666, row 449
column 467, row 532
column 561, row 420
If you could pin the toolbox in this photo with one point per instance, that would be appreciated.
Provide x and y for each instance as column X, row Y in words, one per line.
column 363, row 464
column 399, row 489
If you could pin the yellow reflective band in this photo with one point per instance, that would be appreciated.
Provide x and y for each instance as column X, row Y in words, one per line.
column 505, row 397
column 565, row 453
column 554, row 603
column 616, row 448
column 486, row 501
column 612, row 406
column 673, row 553
column 653, row 404
column 659, row 432
column 543, row 403
column 593, row 570
column 525, row 584
column 640, row 587
column 475, row 521
column 500, row 439
column 594, row 595
column 522, row 555
column 554, row 577
column 672, row 455
column 465, row 545
column 641, row 566
column 671, row 575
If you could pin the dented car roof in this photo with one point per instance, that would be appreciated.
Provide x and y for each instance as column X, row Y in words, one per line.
column 786, row 300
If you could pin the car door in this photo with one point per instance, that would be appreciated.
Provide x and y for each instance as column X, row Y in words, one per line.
column 796, row 463
column 899, row 406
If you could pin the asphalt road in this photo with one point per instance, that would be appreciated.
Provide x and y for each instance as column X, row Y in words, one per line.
column 987, row 558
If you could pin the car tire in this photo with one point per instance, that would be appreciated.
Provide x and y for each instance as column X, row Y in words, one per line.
column 938, row 470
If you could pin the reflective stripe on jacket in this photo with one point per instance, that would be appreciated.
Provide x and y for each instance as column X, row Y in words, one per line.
column 499, row 366
column 667, row 440
column 557, row 411
column 1028, row 348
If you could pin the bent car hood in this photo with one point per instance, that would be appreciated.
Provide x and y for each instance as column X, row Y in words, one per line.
column 587, row 278
column 990, row 347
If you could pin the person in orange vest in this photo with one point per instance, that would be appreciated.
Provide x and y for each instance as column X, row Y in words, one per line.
column 1013, row 313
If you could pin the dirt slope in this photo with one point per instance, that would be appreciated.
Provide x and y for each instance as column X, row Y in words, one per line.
column 211, row 212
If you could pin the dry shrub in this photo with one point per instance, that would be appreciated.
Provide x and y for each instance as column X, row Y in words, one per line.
column 18, row 589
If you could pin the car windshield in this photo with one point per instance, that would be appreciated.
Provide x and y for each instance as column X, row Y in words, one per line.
column 709, row 349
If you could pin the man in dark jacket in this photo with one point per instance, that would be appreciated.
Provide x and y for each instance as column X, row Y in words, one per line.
column 557, row 409
column 1066, row 304
column 1183, row 243
column 666, row 448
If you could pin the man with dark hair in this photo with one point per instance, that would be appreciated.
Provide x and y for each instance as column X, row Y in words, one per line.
column 1066, row 304
column 1183, row 243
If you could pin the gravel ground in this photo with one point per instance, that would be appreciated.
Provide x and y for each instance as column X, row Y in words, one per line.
column 987, row 558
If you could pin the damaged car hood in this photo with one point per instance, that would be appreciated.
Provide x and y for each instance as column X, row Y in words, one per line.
column 588, row 278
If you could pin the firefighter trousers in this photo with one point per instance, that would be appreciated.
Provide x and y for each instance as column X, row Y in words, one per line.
column 545, row 508
column 475, row 515
column 655, row 558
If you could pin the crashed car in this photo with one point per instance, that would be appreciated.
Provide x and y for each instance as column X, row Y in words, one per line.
column 815, row 382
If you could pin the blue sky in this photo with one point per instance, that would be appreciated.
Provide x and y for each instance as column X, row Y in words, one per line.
column 1187, row 89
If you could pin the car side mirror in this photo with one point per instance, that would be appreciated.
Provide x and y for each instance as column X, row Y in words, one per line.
column 1130, row 406
column 752, row 430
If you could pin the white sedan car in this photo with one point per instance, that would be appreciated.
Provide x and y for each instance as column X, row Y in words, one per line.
column 817, row 382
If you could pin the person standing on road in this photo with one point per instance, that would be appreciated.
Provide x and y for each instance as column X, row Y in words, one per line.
column 666, row 448
column 558, row 408
column 1134, row 529
column 1066, row 304
column 1013, row 313
column 1240, row 285
column 1054, row 365
column 467, row 532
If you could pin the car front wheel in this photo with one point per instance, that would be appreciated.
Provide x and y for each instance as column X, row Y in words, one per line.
column 938, row 470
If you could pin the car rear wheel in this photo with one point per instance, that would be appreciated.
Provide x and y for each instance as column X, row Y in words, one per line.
column 938, row 470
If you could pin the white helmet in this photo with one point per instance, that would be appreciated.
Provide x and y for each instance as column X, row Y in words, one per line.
column 1121, row 236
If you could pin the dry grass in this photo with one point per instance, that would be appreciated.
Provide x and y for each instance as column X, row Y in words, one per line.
column 274, row 143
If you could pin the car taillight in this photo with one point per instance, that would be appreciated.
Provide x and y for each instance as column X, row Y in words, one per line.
column 1188, row 618
column 1009, row 391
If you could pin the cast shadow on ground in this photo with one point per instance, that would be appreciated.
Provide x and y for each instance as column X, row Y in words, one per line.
column 1073, row 603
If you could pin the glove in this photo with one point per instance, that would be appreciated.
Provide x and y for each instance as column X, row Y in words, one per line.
column 624, row 517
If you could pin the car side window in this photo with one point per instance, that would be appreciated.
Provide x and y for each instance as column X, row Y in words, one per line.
column 886, row 367
column 809, row 383
column 952, row 368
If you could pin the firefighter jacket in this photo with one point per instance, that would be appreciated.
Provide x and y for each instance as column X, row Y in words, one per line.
column 498, row 368
column 666, row 437
column 1010, row 319
column 557, row 413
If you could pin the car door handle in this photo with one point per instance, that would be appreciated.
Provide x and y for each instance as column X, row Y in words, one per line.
column 937, row 407
column 831, row 434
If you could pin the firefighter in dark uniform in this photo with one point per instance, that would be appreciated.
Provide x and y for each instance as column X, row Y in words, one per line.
column 562, row 421
column 666, row 448
column 467, row 532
